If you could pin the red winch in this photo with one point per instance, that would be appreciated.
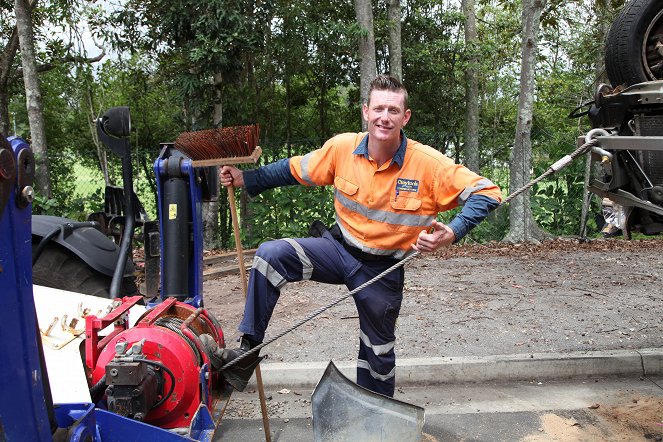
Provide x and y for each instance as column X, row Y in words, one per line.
column 160, row 370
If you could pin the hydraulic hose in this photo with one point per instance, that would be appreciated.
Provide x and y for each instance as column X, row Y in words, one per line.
column 61, row 228
column 129, row 223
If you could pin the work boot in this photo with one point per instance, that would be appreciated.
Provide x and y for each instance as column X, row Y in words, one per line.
column 212, row 350
column 239, row 374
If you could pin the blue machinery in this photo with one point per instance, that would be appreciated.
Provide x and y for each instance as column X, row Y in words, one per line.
column 26, row 408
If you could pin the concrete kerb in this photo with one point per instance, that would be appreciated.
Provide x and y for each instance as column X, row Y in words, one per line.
column 474, row 369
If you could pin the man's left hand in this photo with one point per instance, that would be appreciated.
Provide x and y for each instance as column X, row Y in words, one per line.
column 438, row 236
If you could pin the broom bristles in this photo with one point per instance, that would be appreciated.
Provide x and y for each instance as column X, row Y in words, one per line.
column 227, row 142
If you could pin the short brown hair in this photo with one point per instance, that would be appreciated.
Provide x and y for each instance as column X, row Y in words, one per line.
column 387, row 83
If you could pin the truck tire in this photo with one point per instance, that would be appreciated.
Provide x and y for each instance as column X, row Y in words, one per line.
column 59, row 268
column 631, row 53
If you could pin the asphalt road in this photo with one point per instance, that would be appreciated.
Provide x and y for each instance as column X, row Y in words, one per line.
column 606, row 409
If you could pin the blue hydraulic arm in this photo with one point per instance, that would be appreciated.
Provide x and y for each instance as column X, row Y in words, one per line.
column 25, row 406
column 180, row 216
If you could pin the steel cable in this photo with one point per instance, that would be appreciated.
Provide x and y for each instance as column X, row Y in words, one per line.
column 563, row 162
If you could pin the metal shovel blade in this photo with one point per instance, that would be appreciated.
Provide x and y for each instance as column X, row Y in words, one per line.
column 344, row 411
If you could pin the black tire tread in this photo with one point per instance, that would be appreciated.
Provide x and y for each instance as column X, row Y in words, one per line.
column 623, row 59
column 619, row 51
column 59, row 268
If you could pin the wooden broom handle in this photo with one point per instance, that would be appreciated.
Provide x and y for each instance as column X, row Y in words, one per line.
column 238, row 239
column 242, row 270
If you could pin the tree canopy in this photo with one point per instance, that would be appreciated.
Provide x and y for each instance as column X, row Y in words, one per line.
column 293, row 67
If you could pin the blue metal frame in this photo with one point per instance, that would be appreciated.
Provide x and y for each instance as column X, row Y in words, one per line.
column 24, row 411
column 195, row 282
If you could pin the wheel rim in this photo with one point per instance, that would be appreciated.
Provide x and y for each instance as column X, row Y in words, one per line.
column 652, row 48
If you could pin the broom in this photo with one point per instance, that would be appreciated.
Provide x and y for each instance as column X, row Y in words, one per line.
column 217, row 147
column 223, row 146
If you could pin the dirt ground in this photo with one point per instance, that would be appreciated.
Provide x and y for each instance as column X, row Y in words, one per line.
column 478, row 300
column 637, row 419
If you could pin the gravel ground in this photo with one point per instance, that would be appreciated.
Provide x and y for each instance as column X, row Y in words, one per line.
column 479, row 300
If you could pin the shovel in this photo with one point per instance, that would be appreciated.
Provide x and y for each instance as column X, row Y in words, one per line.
column 344, row 411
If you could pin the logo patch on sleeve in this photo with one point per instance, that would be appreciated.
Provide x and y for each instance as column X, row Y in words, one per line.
column 406, row 185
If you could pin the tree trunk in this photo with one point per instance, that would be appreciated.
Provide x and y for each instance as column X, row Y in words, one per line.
column 101, row 150
column 288, row 112
column 471, row 89
column 217, row 117
column 603, row 13
column 367, row 69
column 322, row 110
column 211, row 208
column 522, row 227
column 224, row 216
column 6, row 62
column 395, row 48
column 33, row 96
column 4, row 113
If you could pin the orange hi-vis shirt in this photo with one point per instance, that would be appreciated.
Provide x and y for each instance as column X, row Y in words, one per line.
column 382, row 210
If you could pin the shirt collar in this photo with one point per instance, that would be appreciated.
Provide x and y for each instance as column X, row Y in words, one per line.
column 399, row 156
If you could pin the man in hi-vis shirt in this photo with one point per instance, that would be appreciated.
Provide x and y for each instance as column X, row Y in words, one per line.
column 388, row 191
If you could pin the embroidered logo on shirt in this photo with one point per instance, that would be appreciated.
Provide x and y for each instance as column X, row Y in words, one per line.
column 406, row 185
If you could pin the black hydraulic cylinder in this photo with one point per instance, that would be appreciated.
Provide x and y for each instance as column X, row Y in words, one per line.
column 177, row 247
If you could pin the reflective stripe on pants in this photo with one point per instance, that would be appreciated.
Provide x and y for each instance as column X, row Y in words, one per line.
column 325, row 260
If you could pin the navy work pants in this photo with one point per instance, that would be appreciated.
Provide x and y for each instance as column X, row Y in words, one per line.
column 325, row 260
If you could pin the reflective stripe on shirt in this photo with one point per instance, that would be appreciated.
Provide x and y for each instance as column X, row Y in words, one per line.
column 482, row 184
column 304, row 165
column 383, row 216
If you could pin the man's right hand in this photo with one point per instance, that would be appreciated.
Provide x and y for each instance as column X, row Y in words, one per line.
column 231, row 176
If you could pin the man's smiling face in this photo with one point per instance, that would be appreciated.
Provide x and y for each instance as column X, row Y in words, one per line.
column 386, row 116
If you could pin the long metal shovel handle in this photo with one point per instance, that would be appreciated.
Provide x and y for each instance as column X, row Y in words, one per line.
column 312, row 315
column 555, row 167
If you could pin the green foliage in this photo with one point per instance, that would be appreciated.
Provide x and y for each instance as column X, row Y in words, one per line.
column 44, row 206
column 491, row 229
column 291, row 67
column 289, row 211
column 432, row 66
column 558, row 203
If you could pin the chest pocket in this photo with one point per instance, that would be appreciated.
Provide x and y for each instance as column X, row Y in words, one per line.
column 406, row 203
column 346, row 192
column 404, row 207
